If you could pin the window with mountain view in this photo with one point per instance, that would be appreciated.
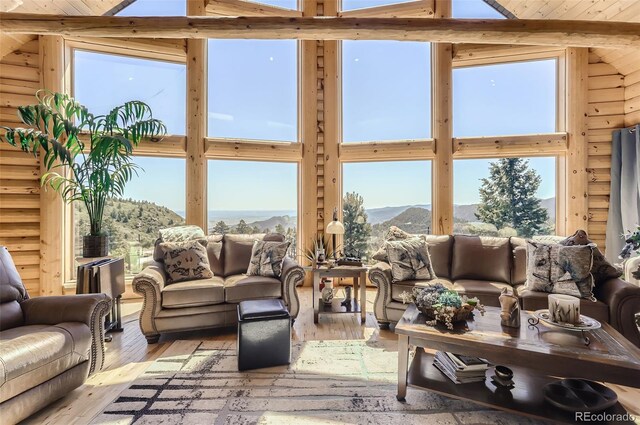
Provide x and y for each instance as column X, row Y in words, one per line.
column 505, row 99
column 253, row 89
column 505, row 197
column 253, row 197
column 153, row 200
column 160, row 84
column 378, row 195
column 386, row 90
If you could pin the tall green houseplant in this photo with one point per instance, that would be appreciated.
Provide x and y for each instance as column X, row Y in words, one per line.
column 88, row 157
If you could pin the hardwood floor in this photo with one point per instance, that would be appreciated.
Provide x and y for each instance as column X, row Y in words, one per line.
column 128, row 355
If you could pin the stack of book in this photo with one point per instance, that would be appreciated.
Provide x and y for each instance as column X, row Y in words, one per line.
column 461, row 369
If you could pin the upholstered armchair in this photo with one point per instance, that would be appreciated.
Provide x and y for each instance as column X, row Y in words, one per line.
column 48, row 345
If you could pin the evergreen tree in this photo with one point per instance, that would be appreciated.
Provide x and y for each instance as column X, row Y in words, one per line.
column 508, row 198
column 356, row 228
column 243, row 227
column 280, row 229
column 221, row 228
column 255, row 229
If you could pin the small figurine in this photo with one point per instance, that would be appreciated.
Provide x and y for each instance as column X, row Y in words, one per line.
column 510, row 309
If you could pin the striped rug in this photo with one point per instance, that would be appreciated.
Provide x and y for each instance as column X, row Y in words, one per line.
column 328, row 382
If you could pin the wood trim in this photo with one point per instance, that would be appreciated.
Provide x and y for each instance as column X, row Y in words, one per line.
column 422, row 8
column 252, row 150
column 139, row 48
column 438, row 30
column 442, row 124
column 387, row 150
column 52, row 59
column 510, row 146
column 485, row 54
column 196, row 163
column 168, row 146
column 247, row 8
column 577, row 127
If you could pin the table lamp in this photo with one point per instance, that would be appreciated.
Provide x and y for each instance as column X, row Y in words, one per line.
column 335, row 228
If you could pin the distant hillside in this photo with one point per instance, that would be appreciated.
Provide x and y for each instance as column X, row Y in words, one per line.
column 128, row 221
column 412, row 220
column 285, row 221
column 380, row 215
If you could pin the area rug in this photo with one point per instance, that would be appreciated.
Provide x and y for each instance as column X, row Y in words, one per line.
column 328, row 382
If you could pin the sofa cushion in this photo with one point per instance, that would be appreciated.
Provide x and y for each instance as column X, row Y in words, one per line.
column 519, row 261
column 193, row 293
column 175, row 234
column 481, row 258
column 242, row 287
column 267, row 258
column 407, row 286
column 237, row 250
column 409, row 259
column 440, row 252
column 11, row 315
column 215, row 254
column 184, row 261
column 532, row 300
column 31, row 355
column 11, row 287
column 485, row 290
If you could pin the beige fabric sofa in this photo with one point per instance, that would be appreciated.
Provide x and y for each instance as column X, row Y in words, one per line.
column 209, row 303
column 482, row 266
column 48, row 345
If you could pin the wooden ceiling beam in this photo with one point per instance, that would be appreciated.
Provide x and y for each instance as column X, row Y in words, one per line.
column 532, row 32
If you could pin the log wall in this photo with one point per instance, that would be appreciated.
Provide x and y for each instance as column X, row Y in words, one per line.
column 19, row 172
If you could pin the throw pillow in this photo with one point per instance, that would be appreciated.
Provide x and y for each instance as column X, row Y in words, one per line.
column 267, row 258
column 560, row 269
column 393, row 234
column 176, row 234
column 602, row 270
column 410, row 260
column 186, row 260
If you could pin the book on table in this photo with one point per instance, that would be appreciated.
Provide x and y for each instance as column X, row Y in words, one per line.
column 461, row 369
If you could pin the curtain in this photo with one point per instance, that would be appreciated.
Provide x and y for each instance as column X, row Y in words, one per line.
column 624, row 202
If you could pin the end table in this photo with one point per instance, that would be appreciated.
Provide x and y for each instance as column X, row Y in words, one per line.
column 358, row 300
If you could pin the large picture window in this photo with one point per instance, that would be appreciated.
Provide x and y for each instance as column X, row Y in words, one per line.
column 160, row 84
column 505, row 197
column 378, row 195
column 253, row 91
column 365, row 4
column 153, row 200
column 386, row 90
column 253, row 197
column 505, row 99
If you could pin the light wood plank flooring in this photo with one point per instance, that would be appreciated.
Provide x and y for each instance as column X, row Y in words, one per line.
column 128, row 355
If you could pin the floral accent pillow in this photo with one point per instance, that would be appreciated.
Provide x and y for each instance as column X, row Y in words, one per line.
column 176, row 234
column 267, row 258
column 602, row 270
column 393, row 234
column 560, row 269
column 409, row 259
column 186, row 260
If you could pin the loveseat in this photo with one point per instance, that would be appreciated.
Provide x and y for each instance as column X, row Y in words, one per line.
column 209, row 303
column 482, row 266
column 48, row 345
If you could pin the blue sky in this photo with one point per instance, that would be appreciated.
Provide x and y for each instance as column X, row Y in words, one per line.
column 386, row 86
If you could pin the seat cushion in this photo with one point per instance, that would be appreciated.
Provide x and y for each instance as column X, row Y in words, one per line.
column 532, row 301
column 242, row 287
column 481, row 258
column 485, row 290
column 31, row 355
column 237, row 250
column 193, row 293
column 407, row 286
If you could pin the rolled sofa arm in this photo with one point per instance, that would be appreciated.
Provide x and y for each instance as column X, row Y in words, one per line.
column 149, row 283
column 623, row 299
column 292, row 276
column 89, row 309
column 380, row 275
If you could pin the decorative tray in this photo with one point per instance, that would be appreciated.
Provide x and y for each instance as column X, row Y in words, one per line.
column 579, row 395
column 586, row 323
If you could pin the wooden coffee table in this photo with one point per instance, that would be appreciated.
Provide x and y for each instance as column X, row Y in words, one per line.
column 536, row 354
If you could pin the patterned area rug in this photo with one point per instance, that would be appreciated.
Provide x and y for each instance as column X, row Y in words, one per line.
column 328, row 382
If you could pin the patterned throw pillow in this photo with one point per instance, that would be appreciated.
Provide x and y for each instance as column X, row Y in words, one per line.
column 602, row 270
column 560, row 269
column 267, row 258
column 393, row 234
column 176, row 234
column 409, row 259
column 186, row 260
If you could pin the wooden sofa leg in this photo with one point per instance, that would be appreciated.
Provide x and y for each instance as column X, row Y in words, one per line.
column 152, row 339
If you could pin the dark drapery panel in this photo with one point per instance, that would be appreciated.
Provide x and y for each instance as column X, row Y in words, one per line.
column 624, row 203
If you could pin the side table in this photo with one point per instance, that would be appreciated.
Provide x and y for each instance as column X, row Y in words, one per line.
column 358, row 300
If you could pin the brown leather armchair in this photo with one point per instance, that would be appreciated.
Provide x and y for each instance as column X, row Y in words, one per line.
column 48, row 345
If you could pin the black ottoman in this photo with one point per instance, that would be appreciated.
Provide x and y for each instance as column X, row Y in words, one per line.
column 264, row 334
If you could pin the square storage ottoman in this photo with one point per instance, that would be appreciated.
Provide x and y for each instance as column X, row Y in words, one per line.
column 264, row 334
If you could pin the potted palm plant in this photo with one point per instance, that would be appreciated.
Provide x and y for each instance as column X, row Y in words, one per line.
column 87, row 157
